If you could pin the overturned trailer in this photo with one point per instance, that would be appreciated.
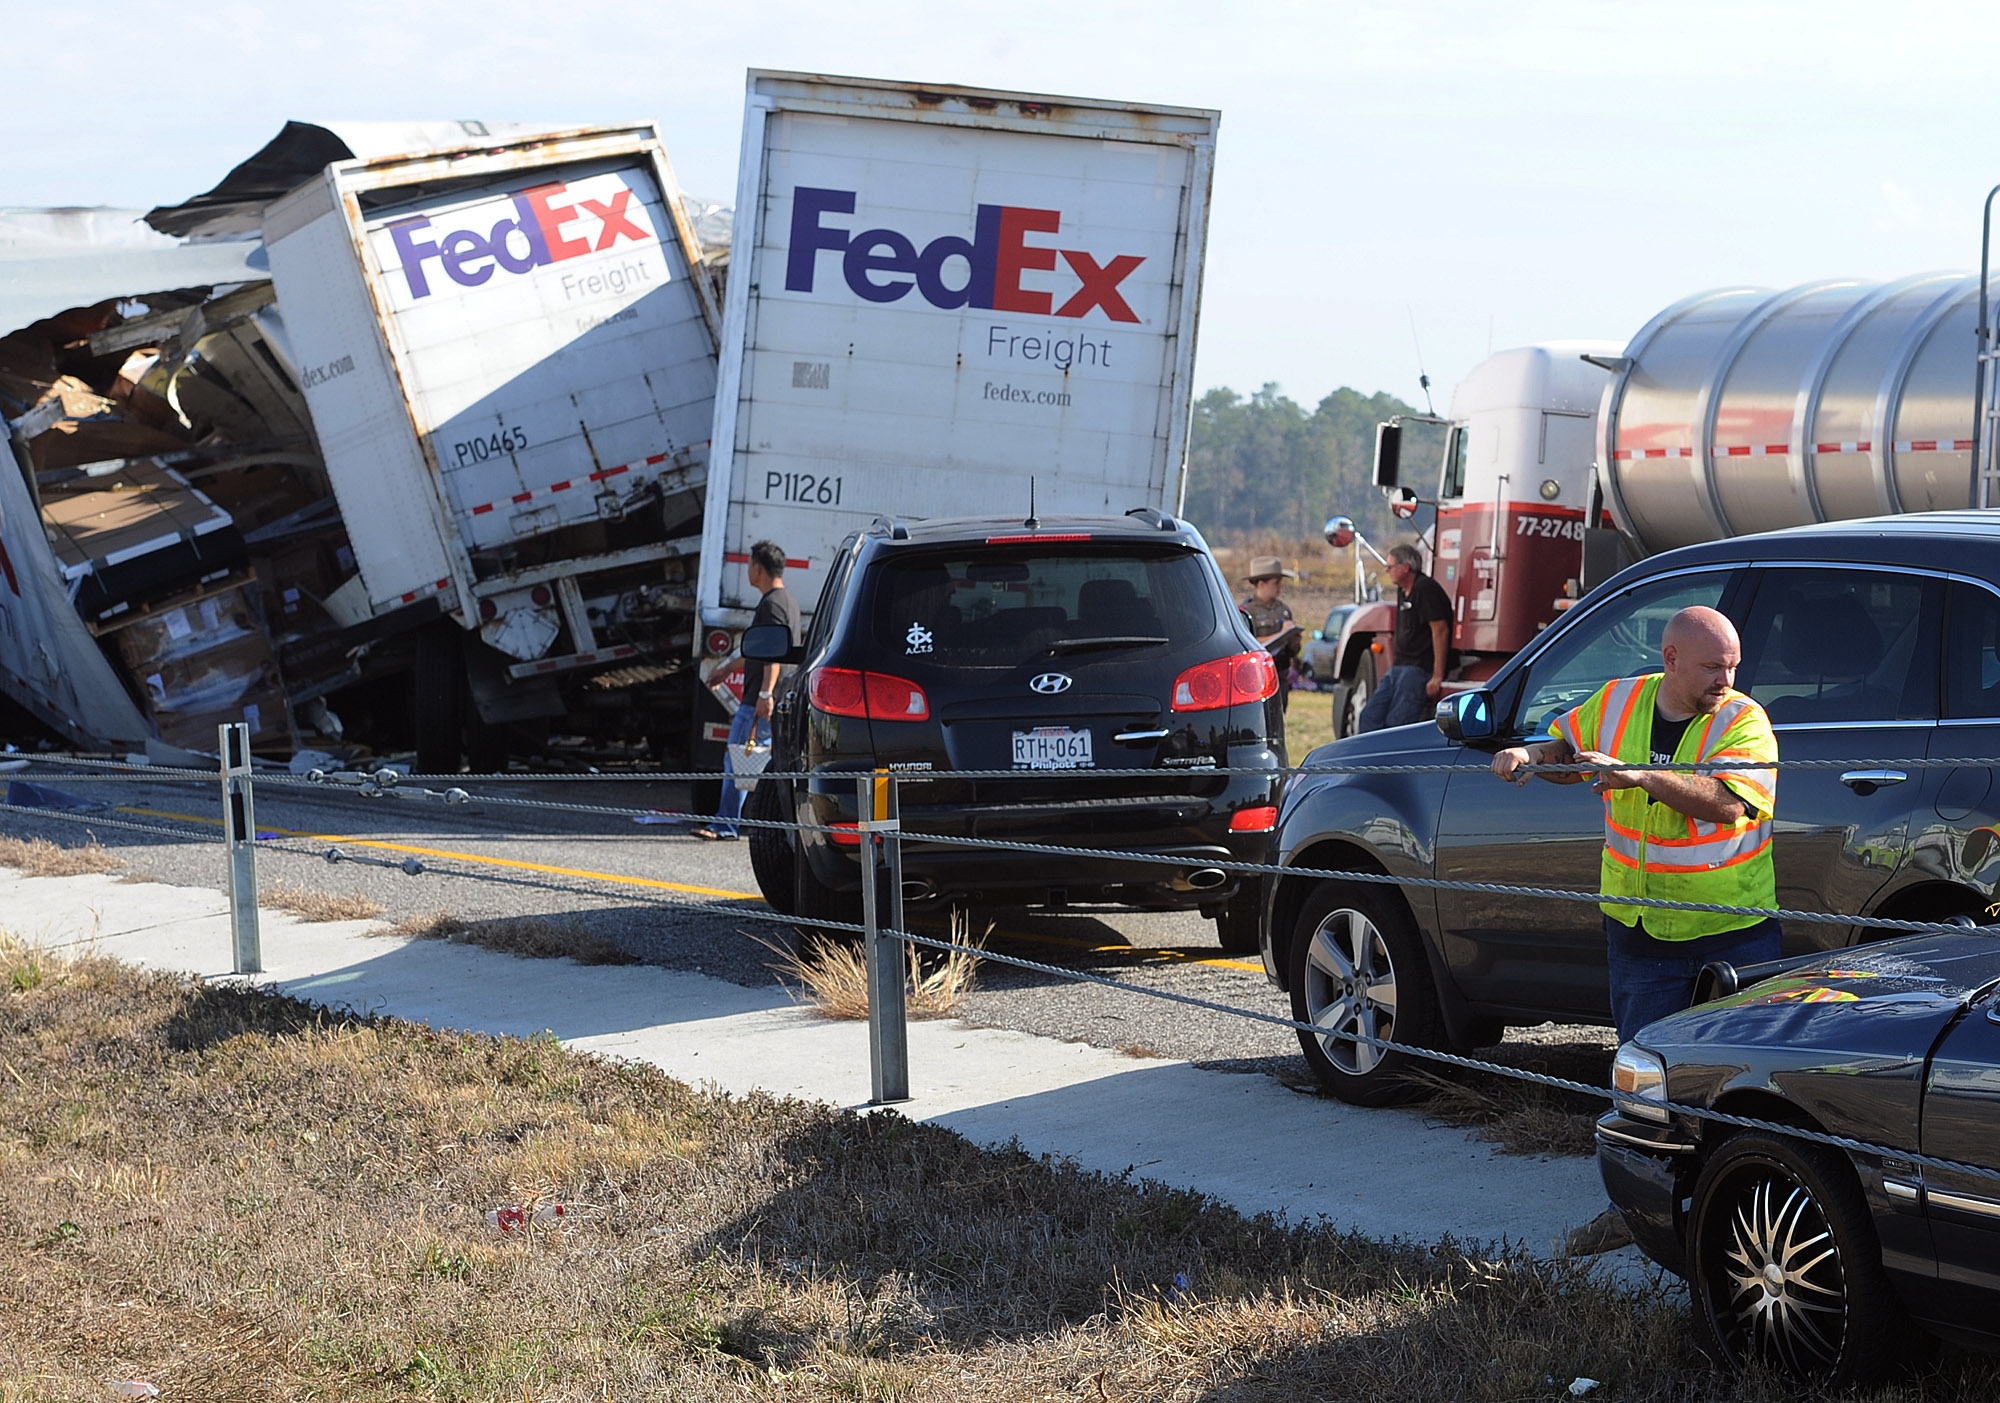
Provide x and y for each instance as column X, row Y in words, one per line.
column 419, row 428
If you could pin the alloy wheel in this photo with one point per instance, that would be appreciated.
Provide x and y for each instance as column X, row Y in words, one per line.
column 1778, row 1291
column 1351, row 989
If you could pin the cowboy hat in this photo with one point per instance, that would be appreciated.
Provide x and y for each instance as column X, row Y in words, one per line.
column 1267, row 567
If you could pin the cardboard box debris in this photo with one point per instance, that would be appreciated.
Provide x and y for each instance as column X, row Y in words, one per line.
column 202, row 658
column 190, row 695
column 132, row 530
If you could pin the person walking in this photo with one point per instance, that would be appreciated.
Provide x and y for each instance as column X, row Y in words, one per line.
column 766, row 572
column 1671, row 834
column 1423, row 644
column 1271, row 621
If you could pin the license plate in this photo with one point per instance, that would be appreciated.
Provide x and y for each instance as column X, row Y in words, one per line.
column 1052, row 748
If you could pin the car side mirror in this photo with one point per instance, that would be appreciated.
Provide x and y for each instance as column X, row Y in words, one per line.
column 770, row 643
column 1319, row 635
column 1466, row 716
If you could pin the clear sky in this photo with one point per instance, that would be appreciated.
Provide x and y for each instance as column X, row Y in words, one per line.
column 1494, row 174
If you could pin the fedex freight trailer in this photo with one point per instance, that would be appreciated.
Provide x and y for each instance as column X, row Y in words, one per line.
column 509, row 355
column 936, row 294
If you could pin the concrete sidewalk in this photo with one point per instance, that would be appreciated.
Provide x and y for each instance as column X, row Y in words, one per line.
column 1242, row 1139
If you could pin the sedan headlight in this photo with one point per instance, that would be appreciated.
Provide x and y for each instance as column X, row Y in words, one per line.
column 1639, row 1083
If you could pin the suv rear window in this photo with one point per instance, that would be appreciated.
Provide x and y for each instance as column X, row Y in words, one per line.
column 1000, row 608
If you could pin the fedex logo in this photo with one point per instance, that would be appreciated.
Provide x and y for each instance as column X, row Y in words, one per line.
column 533, row 238
column 881, row 265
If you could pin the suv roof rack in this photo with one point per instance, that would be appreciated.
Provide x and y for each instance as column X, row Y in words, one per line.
column 1154, row 517
column 891, row 527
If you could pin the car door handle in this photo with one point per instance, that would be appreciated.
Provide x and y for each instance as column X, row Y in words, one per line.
column 1868, row 781
column 1142, row 735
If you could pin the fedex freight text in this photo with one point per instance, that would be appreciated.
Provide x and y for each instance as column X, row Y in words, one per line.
column 607, row 281
column 551, row 225
column 1061, row 351
column 885, row 265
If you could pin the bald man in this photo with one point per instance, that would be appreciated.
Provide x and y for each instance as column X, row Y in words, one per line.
column 1670, row 834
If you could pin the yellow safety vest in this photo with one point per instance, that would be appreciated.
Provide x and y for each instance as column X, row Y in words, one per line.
column 1654, row 850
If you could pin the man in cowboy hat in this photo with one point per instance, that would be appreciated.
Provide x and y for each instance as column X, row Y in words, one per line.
column 1271, row 620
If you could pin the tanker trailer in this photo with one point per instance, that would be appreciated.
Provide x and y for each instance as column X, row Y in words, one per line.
column 1732, row 411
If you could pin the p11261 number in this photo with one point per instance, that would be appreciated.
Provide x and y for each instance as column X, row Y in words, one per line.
column 808, row 488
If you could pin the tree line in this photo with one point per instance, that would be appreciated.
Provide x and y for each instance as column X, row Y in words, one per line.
column 1265, row 466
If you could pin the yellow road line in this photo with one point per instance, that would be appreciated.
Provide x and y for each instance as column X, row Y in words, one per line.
column 515, row 863
column 1092, row 946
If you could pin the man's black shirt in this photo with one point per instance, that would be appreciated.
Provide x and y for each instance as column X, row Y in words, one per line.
column 778, row 607
column 1667, row 736
column 1419, row 605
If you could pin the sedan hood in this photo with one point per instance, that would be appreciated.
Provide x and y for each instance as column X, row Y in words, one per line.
column 1899, row 994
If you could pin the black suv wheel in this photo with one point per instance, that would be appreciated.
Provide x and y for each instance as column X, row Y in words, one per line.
column 771, row 848
column 1357, row 967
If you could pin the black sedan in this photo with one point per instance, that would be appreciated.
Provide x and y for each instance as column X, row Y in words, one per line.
column 1802, row 1256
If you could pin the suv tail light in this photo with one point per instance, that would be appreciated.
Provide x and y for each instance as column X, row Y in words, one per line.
column 1261, row 819
column 846, row 691
column 1232, row 681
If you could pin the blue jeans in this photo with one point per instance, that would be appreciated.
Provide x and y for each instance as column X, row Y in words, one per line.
column 1652, row 978
column 1400, row 700
column 731, row 807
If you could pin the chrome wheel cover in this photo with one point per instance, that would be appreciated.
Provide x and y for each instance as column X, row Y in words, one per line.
column 1350, row 988
column 1777, row 1289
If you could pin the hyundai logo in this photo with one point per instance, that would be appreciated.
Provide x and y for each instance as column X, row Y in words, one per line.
column 1049, row 683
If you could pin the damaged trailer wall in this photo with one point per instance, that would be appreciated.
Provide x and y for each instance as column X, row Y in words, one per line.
column 50, row 662
column 51, row 262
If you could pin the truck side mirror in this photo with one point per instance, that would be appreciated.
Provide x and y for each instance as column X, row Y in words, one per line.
column 1466, row 716
column 1388, row 455
column 770, row 643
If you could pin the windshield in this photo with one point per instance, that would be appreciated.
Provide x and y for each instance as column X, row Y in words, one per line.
column 999, row 608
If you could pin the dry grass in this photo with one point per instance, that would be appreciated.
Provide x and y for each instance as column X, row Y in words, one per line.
column 1520, row 1117
column 834, row 977
column 236, row 1196
column 310, row 905
column 38, row 857
column 530, row 937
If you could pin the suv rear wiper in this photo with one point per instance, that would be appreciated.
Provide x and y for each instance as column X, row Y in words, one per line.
column 1091, row 645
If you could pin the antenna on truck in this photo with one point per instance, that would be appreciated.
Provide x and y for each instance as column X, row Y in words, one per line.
column 1423, row 379
column 1031, row 523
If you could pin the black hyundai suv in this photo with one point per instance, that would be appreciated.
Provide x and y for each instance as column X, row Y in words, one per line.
column 1869, row 642
column 1097, row 662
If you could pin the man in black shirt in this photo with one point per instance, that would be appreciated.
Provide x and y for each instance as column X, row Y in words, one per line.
column 766, row 572
column 1423, row 642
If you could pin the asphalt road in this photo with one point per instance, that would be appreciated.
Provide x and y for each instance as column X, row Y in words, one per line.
column 675, row 901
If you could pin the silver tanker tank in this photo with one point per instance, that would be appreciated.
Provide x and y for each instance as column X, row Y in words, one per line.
column 1747, row 410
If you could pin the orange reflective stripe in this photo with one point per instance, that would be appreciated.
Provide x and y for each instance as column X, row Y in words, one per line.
column 1675, row 868
column 1707, row 728
column 1634, row 689
column 1761, row 782
column 1565, row 728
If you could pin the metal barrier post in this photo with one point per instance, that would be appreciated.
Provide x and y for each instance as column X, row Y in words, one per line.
column 882, row 903
column 239, row 833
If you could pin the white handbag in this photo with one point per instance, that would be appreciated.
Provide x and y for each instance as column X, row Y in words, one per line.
column 746, row 762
